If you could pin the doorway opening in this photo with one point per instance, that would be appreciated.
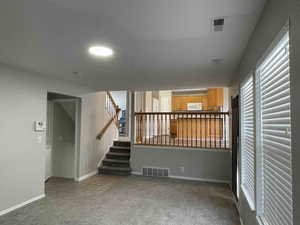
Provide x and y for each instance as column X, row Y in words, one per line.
column 121, row 98
column 62, row 136
column 235, row 144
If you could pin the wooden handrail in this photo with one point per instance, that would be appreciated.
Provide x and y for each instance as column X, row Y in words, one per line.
column 102, row 132
column 112, row 100
column 114, row 116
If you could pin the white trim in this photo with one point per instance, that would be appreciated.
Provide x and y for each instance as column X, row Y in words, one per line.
column 249, row 200
column 73, row 99
column 104, row 154
column 241, row 221
column 189, row 178
column 77, row 137
column 200, row 179
column 136, row 173
column 259, row 220
column 5, row 211
column 102, row 158
column 84, row 177
column 285, row 29
column 77, row 122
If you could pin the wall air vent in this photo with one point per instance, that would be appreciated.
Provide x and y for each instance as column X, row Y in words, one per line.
column 155, row 172
column 218, row 24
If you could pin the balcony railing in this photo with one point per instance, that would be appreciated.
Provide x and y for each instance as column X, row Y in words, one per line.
column 208, row 130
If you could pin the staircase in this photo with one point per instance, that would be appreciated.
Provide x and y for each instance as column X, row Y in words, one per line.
column 116, row 161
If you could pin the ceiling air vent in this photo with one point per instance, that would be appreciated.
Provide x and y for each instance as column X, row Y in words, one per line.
column 218, row 24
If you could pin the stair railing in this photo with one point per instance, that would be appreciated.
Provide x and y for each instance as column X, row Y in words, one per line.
column 113, row 110
column 197, row 129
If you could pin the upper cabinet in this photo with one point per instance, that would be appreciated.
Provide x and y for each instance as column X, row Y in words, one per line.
column 212, row 100
column 215, row 98
column 180, row 103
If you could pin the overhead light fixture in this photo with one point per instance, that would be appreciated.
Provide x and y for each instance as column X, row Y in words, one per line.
column 101, row 51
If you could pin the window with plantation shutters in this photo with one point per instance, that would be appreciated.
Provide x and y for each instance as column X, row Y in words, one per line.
column 248, row 140
column 274, row 123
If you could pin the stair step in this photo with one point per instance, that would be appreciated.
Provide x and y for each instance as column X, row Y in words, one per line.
column 124, row 169
column 115, row 170
column 122, row 143
column 120, row 149
column 118, row 155
column 116, row 163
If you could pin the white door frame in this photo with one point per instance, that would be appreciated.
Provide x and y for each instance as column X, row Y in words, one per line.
column 77, row 102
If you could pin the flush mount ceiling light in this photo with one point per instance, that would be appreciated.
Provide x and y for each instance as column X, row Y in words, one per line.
column 101, row 51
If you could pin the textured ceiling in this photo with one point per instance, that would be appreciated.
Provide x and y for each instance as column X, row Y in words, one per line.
column 158, row 43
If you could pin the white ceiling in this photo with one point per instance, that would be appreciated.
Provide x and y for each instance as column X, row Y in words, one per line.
column 158, row 43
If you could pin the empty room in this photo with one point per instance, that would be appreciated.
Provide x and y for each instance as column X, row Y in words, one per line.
column 139, row 112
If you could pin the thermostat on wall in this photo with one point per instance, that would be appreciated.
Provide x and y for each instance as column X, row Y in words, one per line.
column 39, row 126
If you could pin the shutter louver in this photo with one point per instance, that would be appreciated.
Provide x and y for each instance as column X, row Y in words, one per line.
column 248, row 140
column 275, row 141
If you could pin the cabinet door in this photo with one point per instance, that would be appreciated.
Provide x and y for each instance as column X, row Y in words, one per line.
column 215, row 98
column 211, row 99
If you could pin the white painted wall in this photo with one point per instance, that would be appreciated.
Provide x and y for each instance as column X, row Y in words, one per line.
column 93, row 119
column 165, row 101
column 120, row 98
column 23, row 99
column 139, row 98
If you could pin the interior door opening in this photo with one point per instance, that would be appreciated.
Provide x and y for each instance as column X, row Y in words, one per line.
column 62, row 136
column 235, row 145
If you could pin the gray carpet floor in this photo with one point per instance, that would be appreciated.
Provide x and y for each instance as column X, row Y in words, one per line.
column 113, row 200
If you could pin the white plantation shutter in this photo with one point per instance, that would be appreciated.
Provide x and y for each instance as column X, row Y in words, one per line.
column 248, row 140
column 275, row 136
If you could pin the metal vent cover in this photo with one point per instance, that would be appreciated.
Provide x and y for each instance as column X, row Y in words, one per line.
column 155, row 172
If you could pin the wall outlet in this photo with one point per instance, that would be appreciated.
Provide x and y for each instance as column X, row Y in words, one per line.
column 182, row 169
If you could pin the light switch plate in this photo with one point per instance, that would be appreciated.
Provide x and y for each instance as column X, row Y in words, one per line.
column 39, row 126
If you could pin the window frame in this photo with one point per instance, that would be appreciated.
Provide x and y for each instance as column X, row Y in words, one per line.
column 250, row 199
column 258, row 105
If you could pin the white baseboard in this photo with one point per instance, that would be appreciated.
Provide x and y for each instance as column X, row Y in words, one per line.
column 189, row 178
column 136, row 173
column 241, row 221
column 200, row 179
column 5, row 211
column 86, row 176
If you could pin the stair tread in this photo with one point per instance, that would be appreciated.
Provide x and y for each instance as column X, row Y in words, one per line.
column 120, row 147
column 118, row 153
column 116, row 160
column 125, row 169
column 122, row 143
